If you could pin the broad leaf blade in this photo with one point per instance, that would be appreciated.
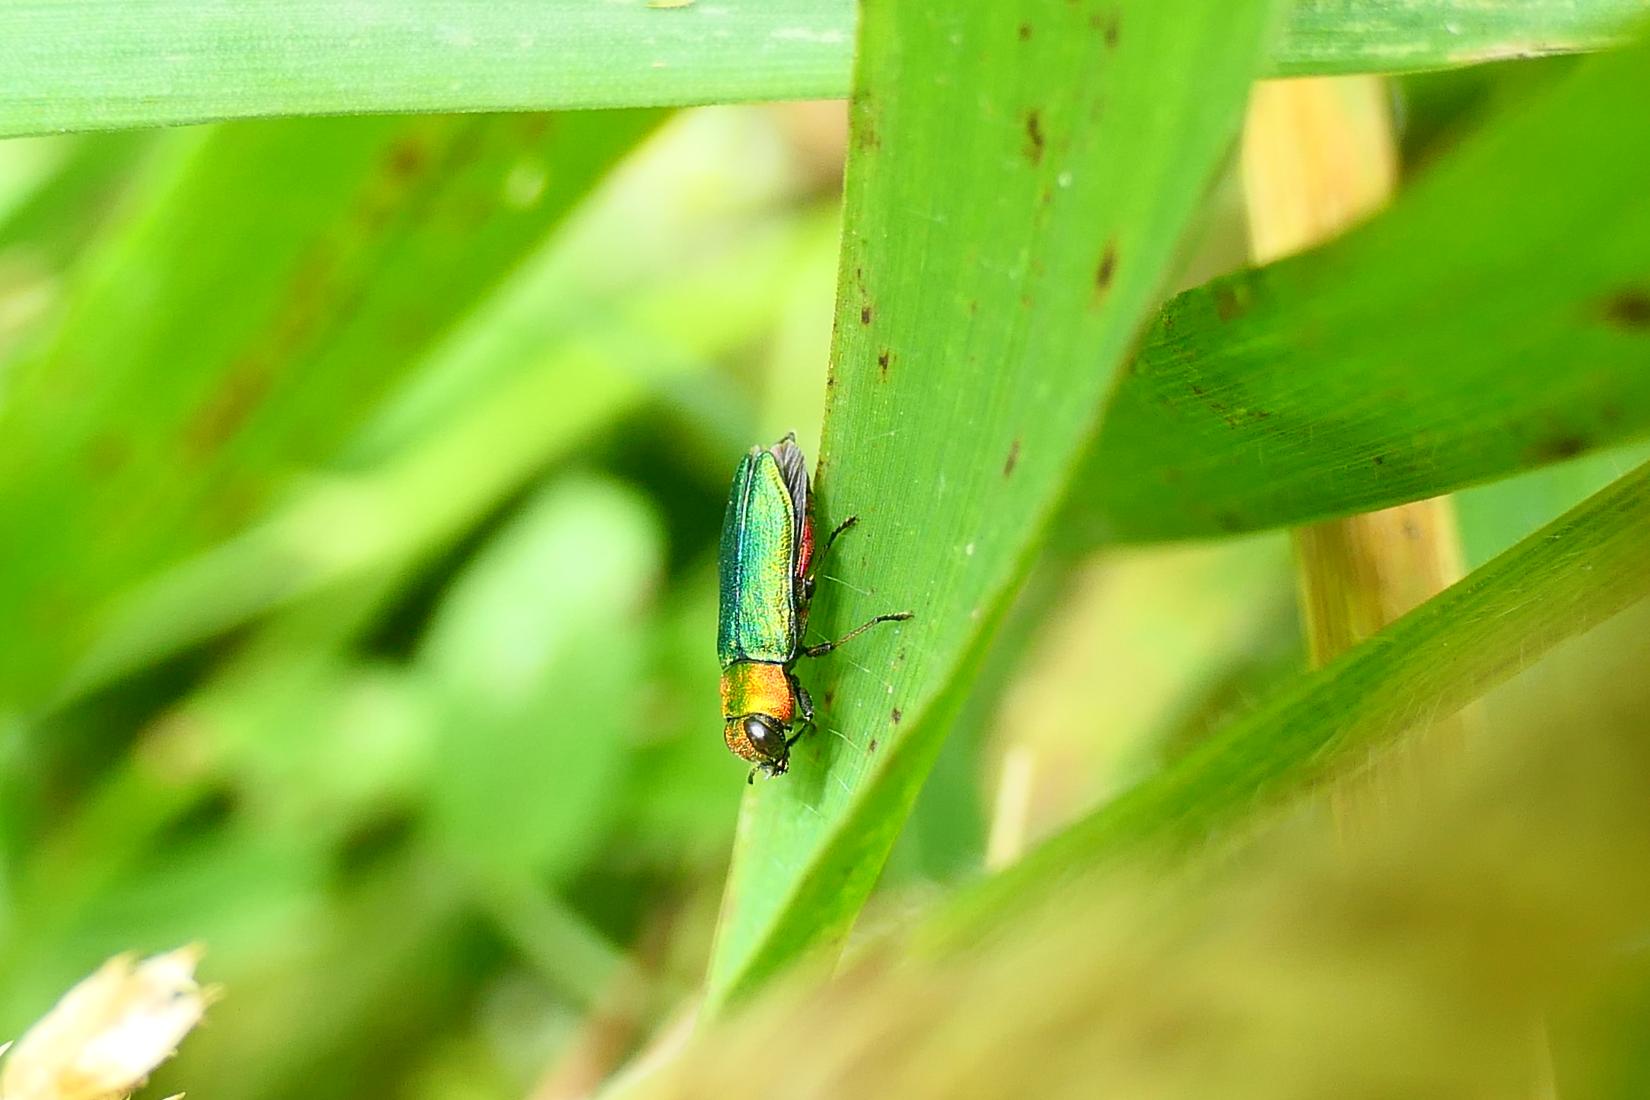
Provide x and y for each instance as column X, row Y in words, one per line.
column 1474, row 330
column 103, row 64
column 1565, row 578
column 1020, row 176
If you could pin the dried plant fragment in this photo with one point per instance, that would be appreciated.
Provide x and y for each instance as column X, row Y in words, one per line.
column 107, row 1034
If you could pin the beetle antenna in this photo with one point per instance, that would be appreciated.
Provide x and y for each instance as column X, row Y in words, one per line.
column 842, row 735
column 845, row 584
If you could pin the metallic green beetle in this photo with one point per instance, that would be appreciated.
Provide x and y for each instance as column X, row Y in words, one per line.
column 767, row 561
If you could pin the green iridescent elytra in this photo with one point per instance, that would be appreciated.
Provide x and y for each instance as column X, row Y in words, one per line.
column 767, row 560
column 764, row 535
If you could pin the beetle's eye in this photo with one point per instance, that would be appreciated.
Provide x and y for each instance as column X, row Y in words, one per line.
column 768, row 739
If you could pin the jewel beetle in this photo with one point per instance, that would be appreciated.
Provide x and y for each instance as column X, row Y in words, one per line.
column 767, row 564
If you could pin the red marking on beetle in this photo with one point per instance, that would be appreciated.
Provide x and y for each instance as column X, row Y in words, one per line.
column 805, row 554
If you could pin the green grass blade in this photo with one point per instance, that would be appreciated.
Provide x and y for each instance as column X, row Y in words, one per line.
column 104, row 64
column 59, row 197
column 1328, row 37
column 57, row 218
column 1474, row 330
column 534, row 657
column 382, row 521
column 217, row 344
column 1020, row 177
column 1571, row 575
column 101, row 64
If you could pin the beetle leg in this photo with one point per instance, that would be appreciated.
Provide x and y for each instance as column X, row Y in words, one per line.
column 805, row 585
column 835, row 531
column 805, row 706
column 804, row 701
column 825, row 647
column 801, row 731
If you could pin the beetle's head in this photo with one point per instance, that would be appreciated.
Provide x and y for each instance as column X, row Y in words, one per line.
column 759, row 738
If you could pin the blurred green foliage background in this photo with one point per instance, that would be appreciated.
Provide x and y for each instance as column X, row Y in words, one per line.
column 360, row 483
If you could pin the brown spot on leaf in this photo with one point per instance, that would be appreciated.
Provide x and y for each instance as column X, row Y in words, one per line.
column 873, row 747
column 1629, row 309
column 895, row 715
column 229, row 407
column 1557, row 448
column 1228, row 303
column 1110, row 32
column 865, row 132
column 1107, row 268
column 408, row 157
column 1380, row 460
column 107, row 454
column 882, row 362
column 864, row 315
column 1034, row 137
column 1025, row 32
column 1013, row 459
